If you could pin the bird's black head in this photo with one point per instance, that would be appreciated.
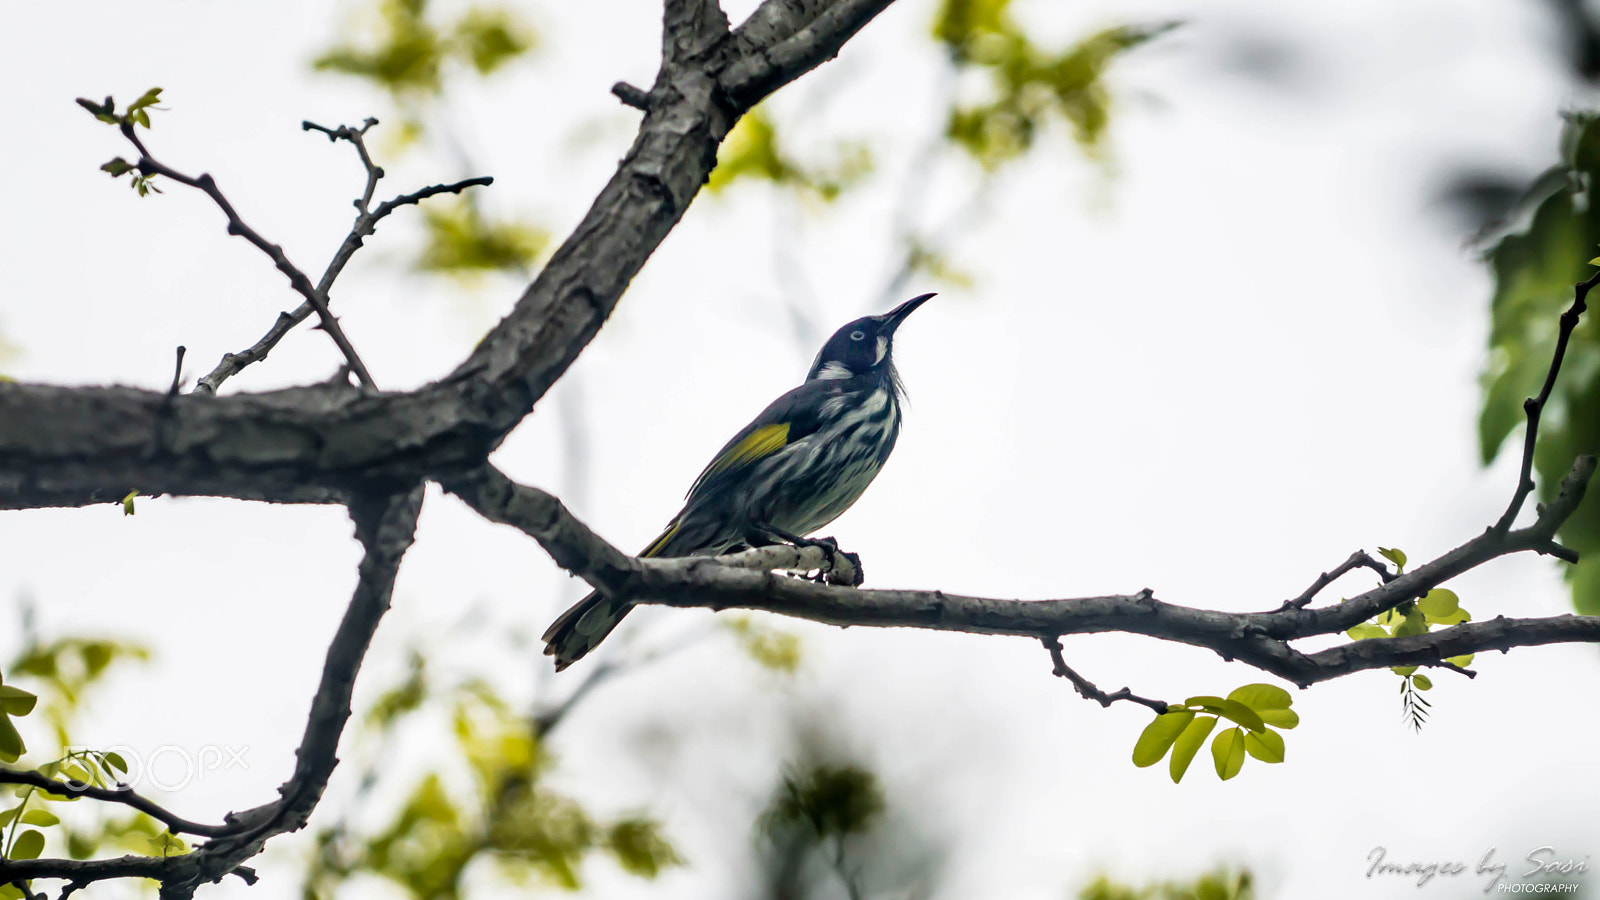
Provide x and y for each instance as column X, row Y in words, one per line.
column 863, row 347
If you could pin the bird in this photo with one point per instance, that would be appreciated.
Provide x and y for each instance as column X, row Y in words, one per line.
column 796, row 467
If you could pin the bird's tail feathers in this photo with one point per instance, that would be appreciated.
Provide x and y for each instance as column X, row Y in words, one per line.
column 582, row 628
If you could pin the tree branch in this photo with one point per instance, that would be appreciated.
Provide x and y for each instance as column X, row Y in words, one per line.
column 385, row 525
column 1533, row 406
column 1086, row 688
column 1262, row 640
column 766, row 67
column 1357, row 560
column 148, row 165
column 366, row 224
column 121, row 794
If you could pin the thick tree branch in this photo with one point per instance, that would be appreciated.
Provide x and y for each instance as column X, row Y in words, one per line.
column 769, row 66
column 385, row 525
column 74, row 446
column 1262, row 640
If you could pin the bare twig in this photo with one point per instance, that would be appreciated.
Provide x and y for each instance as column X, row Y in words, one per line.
column 148, row 165
column 1086, row 688
column 121, row 794
column 1534, row 406
column 366, row 223
column 1357, row 560
column 630, row 95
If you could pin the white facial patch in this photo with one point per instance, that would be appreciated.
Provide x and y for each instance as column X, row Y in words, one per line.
column 833, row 370
column 883, row 350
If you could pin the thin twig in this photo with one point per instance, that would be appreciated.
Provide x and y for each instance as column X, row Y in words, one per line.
column 1534, row 406
column 120, row 794
column 1086, row 688
column 177, row 372
column 1357, row 560
column 366, row 223
column 148, row 165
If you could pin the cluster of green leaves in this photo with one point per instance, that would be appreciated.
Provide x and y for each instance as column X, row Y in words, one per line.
column 772, row 648
column 64, row 671
column 1030, row 86
column 137, row 113
column 507, row 816
column 405, row 52
column 1219, row 884
column 753, row 150
column 1439, row 606
column 1534, row 272
column 1255, row 709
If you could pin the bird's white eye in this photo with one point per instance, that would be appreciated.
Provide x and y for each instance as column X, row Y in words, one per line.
column 857, row 335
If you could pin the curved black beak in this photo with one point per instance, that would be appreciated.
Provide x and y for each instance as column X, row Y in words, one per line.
column 897, row 315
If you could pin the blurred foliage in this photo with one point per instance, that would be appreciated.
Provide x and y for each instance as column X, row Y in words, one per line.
column 499, row 812
column 1534, row 272
column 1255, row 709
column 62, row 673
column 827, row 801
column 1219, row 884
column 1030, row 86
column 461, row 241
column 405, row 51
column 772, row 648
column 752, row 150
column 814, row 814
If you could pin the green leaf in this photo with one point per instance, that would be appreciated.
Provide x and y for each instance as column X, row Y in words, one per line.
column 1398, row 557
column 118, row 167
column 127, row 501
column 1422, row 682
column 1280, row 718
column 29, row 845
column 1366, row 631
column 1157, row 737
column 11, row 745
column 1260, row 697
column 6, row 815
column 1231, row 709
column 1227, row 751
column 43, row 817
column 15, row 701
column 1402, row 671
column 1266, row 746
column 1439, row 603
column 10, row 891
column 1188, row 744
column 1462, row 661
column 115, row 761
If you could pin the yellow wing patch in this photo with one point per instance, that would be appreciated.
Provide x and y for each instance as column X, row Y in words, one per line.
column 660, row 542
column 766, row 440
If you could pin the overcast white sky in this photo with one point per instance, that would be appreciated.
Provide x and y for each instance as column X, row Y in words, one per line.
column 1250, row 351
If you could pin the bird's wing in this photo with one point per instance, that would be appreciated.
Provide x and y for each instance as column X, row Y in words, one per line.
column 787, row 421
